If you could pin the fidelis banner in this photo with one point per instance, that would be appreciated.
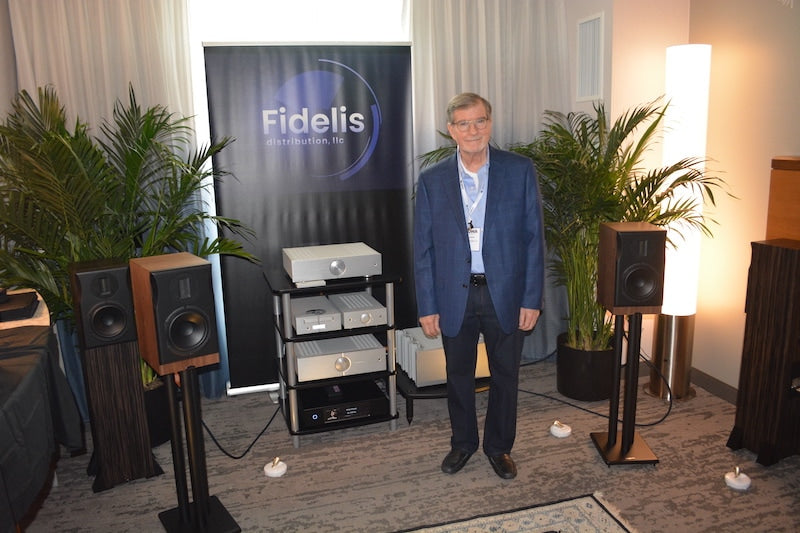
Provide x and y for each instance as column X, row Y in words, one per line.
column 322, row 155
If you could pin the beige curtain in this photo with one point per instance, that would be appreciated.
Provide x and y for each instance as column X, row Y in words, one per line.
column 513, row 52
column 91, row 50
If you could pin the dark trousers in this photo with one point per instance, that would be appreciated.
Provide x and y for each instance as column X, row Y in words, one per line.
column 504, row 352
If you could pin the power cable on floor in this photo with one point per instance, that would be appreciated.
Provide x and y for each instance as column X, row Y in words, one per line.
column 247, row 450
column 532, row 393
column 601, row 415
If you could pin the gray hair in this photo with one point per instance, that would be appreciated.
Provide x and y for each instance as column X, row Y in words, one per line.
column 460, row 101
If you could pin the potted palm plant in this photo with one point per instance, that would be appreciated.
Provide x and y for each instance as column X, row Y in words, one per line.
column 68, row 197
column 590, row 172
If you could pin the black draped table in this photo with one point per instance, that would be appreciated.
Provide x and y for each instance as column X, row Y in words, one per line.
column 37, row 413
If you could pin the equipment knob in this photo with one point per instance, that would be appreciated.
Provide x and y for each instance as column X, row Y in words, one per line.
column 342, row 364
column 366, row 318
column 337, row 267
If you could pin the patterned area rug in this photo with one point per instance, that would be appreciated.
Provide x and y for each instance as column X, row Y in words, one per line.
column 584, row 514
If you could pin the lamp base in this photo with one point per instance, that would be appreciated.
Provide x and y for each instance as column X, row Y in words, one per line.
column 657, row 390
column 672, row 358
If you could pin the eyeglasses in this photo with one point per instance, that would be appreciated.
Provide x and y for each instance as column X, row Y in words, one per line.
column 479, row 123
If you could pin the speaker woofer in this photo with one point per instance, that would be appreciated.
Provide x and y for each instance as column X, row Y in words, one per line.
column 108, row 321
column 640, row 282
column 187, row 330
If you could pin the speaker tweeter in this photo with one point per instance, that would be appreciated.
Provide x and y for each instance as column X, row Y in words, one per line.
column 175, row 316
column 630, row 277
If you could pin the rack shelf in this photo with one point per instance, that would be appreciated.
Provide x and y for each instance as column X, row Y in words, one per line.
column 338, row 401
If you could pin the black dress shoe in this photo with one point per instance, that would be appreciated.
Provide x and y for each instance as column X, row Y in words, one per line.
column 455, row 461
column 504, row 466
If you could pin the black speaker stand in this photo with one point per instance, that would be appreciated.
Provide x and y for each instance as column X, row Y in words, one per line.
column 205, row 513
column 632, row 449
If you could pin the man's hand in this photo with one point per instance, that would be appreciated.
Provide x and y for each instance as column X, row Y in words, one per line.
column 527, row 318
column 430, row 325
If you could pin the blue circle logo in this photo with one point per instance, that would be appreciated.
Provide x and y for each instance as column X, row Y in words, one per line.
column 325, row 121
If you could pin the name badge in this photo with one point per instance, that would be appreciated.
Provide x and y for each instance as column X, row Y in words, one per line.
column 474, row 235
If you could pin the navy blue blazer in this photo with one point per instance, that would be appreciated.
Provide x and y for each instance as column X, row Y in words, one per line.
column 513, row 241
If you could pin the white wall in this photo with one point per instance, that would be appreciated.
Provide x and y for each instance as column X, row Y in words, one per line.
column 754, row 116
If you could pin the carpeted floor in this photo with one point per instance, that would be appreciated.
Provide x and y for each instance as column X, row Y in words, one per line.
column 372, row 479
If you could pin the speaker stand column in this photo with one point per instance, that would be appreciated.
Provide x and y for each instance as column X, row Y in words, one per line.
column 613, row 402
column 205, row 513
column 632, row 449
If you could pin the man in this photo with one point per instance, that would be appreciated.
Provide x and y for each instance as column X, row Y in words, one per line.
column 479, row 268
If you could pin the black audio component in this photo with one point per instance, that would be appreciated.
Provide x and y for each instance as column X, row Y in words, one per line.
column 341, row 403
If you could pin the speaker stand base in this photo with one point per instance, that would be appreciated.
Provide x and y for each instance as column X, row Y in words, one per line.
column 218, row 520
column 638, row 453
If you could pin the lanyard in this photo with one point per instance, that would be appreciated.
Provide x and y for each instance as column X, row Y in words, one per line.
column 469, row 207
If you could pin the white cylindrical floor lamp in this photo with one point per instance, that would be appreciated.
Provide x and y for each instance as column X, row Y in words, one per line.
column 685, row 124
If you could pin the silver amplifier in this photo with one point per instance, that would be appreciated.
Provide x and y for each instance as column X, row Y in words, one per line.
column 312, row 264
column 423, row 358
column 359, row 309
column 342, row 356
column 313, row 314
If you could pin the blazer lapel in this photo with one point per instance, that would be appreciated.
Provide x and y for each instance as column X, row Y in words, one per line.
column 452, row 190
column 494, row 193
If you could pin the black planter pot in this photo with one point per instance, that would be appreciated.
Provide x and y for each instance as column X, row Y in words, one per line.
column 584, row 375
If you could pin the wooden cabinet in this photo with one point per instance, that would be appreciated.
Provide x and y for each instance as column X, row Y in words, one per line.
column 783, row 213
column 768, row 403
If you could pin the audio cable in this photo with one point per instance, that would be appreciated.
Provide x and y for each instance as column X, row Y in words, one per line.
column 247, row 450
column 601, row 415
column 642, row 357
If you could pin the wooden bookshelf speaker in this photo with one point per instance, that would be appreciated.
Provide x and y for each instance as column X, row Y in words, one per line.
column 176, row 322
column 630, row 277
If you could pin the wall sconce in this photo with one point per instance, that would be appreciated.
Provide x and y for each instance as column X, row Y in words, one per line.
column 685, row 124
